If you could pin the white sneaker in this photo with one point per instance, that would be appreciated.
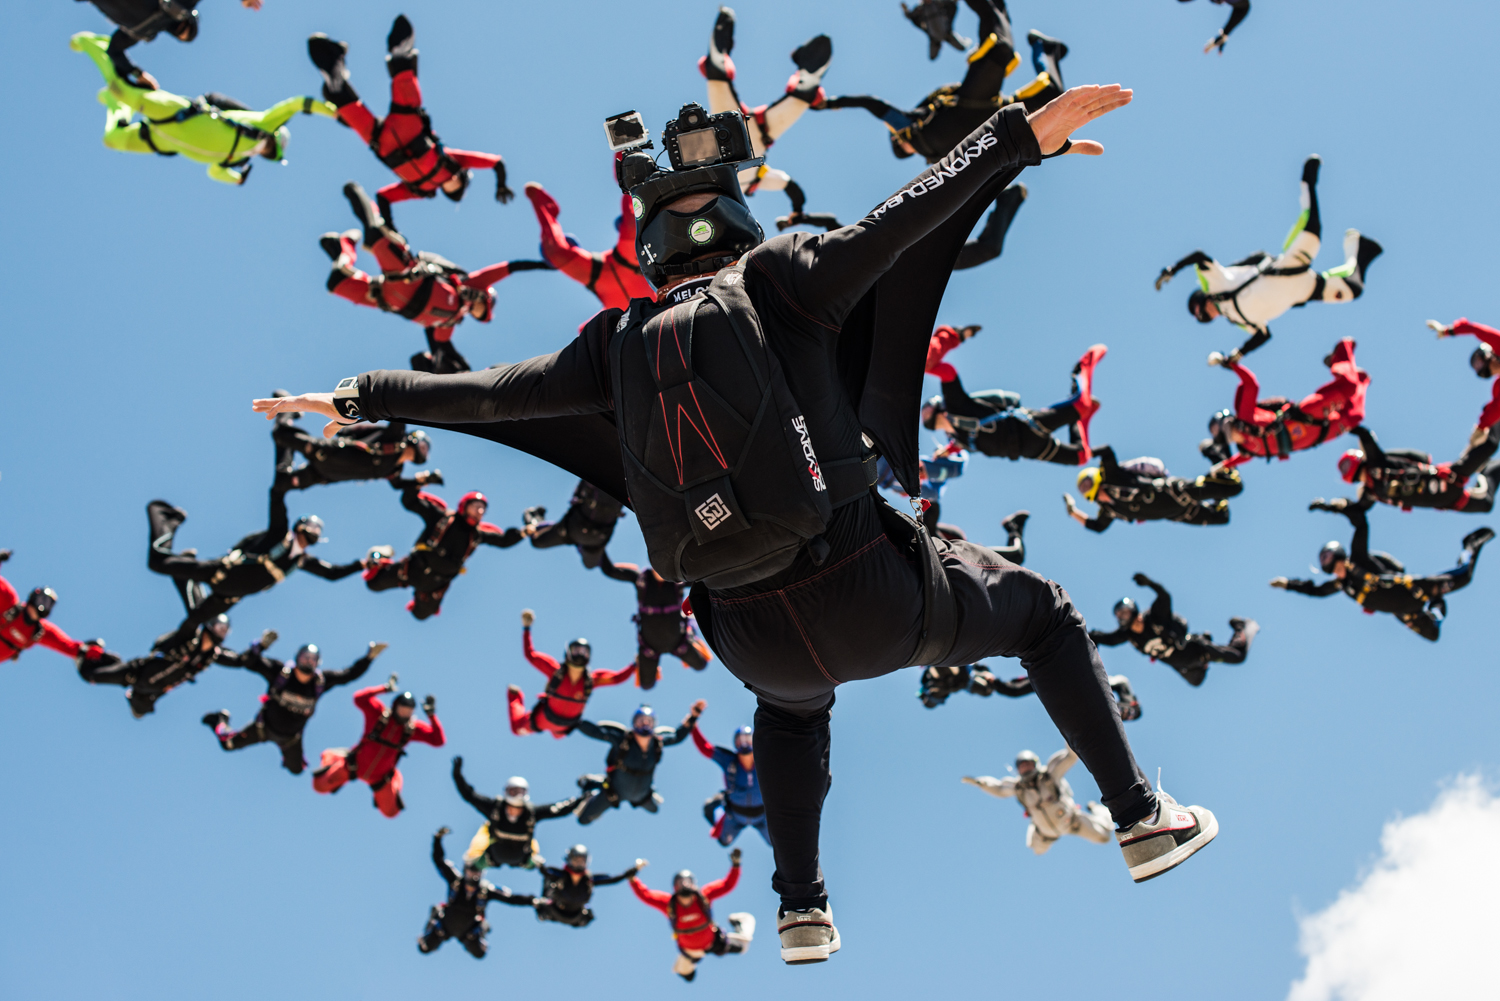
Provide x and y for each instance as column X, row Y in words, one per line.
column 1154, row 846
column 808, row 936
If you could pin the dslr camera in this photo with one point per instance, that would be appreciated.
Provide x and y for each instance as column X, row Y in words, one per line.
column 694, row 139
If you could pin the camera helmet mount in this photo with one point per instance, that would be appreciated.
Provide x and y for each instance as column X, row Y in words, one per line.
column 706, row 152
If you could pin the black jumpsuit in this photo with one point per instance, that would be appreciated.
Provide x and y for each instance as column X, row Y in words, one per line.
column 1408, row 479
column 1166, row 638
column 858, row 612
column 511, row 842
column 1021, row 433
column 360, row 452
column 946, row 116
column 589, row 524
column 149, row 678
column 629, row 770
column 661, row 626
column 288, row 704
column 256, row 563
column 1139, row 497
column 570, row 897
column 1378, row 582
column 462, row 915
column 440, row 552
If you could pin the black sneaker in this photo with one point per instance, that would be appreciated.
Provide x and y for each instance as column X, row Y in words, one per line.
column 364, row 210
column 533, row 515
column 1015, row 524
column 1475, row 540
column 1047, row 55
column 215, row 720
column 811, row 58
column 1310, row 168
column 401, row 46
column 717, row 65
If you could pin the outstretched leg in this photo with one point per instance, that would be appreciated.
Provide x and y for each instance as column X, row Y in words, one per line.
column 991, row 240
column 791, row 759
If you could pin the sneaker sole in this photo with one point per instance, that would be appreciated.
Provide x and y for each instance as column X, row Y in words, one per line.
column 811, row 953
column 1178, row 855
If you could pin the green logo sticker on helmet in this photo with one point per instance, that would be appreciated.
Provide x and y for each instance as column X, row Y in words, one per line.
column 637, row 206
column 701, row 231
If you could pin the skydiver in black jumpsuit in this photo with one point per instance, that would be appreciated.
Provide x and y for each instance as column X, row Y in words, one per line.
column 977, row 679
column 1379, row 582
column 461, row 917
column 589, row 524
column 1162, row 635
column 567, row 891
column 1407, row 478
column 292, row 694
column 508, row 836
column 147, row 679
column 662, row 627
column 256, row 563
column 357, row 452
column 630, row 766
column 1129, row 494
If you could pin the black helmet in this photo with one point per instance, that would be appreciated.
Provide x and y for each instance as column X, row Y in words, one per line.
column 930, row 411
column 578, row 858
column 684, row 879
column 218, row 626
column 579, row 652
column 707, row 153
column 421, row 445
column 404, row 699
column 308, row 657
column 41, row 601
column 186, row 28
column 1331, row 554
column 1198, row 305
column 1480, row 360
column 1125, row 611
column 1216, row 423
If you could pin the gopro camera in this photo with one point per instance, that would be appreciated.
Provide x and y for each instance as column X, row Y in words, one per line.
column 626, row 131
column 698, row 139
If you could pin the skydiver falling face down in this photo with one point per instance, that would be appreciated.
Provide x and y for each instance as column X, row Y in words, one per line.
column 854, row 590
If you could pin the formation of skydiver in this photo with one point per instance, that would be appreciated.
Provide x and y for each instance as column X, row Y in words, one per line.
column 771, row 548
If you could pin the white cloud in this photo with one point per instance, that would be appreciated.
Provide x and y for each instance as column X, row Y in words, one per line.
column 1424, row 921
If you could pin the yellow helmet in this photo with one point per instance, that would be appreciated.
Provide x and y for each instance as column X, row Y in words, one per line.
column 1089, row 480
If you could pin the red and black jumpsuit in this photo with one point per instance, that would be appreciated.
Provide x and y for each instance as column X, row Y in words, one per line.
column 404, row 141
column 560, row 705
column 662, row 626
column 374, row 758
column 441, row 550
column 1275, row 427
column 615, row 275
column 693, row 924
column 18, row 632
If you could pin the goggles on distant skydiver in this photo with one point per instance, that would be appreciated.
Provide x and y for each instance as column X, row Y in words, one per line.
column 1350, row 463
column 1331, row 555
column 744, row 739
column 578, row 858
column 311, row 526
column 1089, row 481
column 309, row 657
column 517, row 791
column 421, row 446
column 579, row 652
column 706, row 152
column 644, row 720
column 1480, row 360
column 1125, row 611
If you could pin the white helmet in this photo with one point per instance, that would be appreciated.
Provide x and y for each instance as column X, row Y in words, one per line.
column 517, row 791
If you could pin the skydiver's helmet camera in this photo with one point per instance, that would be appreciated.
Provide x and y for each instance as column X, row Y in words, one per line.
column 1350, row 463
column 684, row 881
column 1331, row 556
column 309, row 657
column 579, row 652
column 1198, row 306
column 517, row 791
column 41, row 601
column 706, row 153
column 1027, row 762
column 644, row 721
column 744, row 740
column 930, row 411
column 217, row 627
column 698, row 139
column 1480, row 360
column 1218, row 424
column 406, row 699
column 578, row 858
column 310, row 527
column 1125, row 612
column 421, row 446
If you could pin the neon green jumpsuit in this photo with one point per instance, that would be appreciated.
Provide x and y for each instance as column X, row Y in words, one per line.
column 223, row 139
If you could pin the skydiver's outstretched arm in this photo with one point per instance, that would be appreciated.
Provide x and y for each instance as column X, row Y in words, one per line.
column 446, row 869
column 1191, row 260
column 1374, row 454
column 619, row 571
column 999, row 788
column 842, row 266
column 1162, row 606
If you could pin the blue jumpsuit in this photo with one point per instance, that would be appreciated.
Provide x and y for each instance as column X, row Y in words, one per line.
column 739, row 806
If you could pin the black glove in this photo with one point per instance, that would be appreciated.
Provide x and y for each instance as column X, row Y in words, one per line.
column 1142, row 580
column 458, row 763
column 443, row 832
column 429, row 705
column 734, row 857
column 5, row 554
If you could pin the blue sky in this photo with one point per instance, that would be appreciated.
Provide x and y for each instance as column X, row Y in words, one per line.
column 148, row 305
